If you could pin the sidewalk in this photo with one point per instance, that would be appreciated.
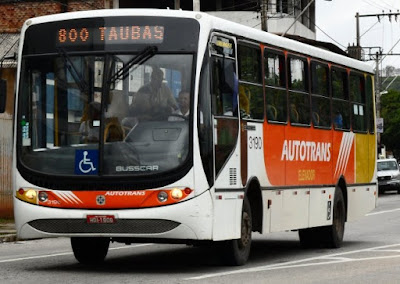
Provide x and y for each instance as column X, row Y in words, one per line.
column 7, row 231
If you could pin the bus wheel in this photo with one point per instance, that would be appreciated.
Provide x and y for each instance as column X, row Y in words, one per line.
column 90, row 250
column 236, row 252
column 334, row 234
column 328, row 236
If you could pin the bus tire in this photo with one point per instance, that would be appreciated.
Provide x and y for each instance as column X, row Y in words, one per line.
column 90, row 250
column 236, row 252
column 334, row 234
column 328, row 236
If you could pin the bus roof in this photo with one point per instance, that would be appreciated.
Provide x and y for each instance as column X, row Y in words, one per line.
column 209, row 22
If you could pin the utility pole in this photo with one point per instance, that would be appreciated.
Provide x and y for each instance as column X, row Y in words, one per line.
column 264, row 15
column 196, row 5
column 379, row 16
column 377, row 94
column 177, row 5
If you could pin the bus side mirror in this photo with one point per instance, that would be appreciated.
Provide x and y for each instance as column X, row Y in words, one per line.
column 3, row 95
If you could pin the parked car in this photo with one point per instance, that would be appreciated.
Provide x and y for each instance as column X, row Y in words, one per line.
column 388, row 175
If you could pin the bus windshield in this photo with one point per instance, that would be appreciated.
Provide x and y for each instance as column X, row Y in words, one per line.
column 110, row 114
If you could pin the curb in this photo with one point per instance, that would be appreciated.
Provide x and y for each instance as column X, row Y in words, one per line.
column 12, row 237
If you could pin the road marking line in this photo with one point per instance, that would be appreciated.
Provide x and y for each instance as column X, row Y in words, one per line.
column 389, row 250
column 35, row 257
column 297, row 263
column 63, row 253
column 339, row 258
column 383, row 212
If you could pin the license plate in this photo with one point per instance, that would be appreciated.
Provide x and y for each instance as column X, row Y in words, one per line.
column 100, row 219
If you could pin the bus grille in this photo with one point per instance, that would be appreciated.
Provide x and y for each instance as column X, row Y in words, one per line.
column 122, row 226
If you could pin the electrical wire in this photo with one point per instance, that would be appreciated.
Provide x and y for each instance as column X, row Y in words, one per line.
column 330, row 36
column 240, row 5
column 376, row 5
column 390, row 6
column 313, row 23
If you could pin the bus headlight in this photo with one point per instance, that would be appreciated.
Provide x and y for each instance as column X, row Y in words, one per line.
column 162, row 196
column 43, row 196
column 27, row 194
column 176, row 193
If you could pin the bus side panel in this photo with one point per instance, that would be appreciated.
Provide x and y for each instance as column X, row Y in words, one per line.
column 361, row 200
column 288, row 210
column 274, row 135
column 227, row 211
column 295, row 209
column 362, row 158
column 276, row 210
column 228, row 199
column 255, row 146
column 343, row 156
column 321, row 201
column 372, row 158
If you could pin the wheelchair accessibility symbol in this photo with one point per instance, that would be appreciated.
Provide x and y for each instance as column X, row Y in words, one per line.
column 86, row 162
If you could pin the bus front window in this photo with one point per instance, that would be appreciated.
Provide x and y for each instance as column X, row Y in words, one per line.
column 123, row 116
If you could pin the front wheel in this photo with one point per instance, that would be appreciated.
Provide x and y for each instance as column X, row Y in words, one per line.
column 90, row 250
column 236, row 252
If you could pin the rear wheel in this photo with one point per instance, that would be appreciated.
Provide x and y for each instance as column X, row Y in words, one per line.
column 328, row 236
column 90, row 250
column 334, row 233
column 236, row 252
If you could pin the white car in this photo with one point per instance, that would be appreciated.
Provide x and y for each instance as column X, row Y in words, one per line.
column 388, row 175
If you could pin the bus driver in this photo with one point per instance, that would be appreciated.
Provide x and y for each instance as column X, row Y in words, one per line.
column 154, row 99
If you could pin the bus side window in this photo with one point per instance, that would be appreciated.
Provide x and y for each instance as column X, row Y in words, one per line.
column 224, row 87
column 340, row 99
column 357, row 96
column 299, row 99
column 370, row 104
column 320, row 102
column 275, row 86
column 251, row 97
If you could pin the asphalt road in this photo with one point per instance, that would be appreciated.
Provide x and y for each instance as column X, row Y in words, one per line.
column 370, row 254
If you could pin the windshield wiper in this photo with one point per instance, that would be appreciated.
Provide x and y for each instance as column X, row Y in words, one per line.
column 139, row 59
column 82, row 85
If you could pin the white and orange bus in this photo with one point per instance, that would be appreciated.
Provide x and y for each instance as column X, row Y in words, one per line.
column 176, row 126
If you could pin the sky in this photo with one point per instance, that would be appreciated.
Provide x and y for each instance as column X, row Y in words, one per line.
column 336, row 23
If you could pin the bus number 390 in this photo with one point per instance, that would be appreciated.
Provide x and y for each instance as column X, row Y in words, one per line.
column 255, row 143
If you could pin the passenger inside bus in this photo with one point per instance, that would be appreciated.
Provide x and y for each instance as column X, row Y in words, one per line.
column 153, row 100
column 338, row 120
column 89, row 128
column 183, row 110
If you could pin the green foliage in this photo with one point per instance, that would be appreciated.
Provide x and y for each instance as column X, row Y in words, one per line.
column 390, row 111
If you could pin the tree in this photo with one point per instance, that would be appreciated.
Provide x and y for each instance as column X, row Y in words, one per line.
column 390, row 111
column 389, row 70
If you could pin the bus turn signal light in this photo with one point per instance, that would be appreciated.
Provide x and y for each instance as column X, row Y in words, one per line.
column 27, row 194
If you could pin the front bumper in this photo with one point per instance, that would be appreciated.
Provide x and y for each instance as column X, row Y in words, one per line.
column 385, row 185
column 188, row 220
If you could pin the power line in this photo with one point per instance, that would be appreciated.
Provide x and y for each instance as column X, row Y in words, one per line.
column 376, row 5
column 313, row 23
column 330, row 36
column 369, row 29
column 388, row 5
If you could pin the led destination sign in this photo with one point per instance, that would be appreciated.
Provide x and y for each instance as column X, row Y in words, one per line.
column 110, row 35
